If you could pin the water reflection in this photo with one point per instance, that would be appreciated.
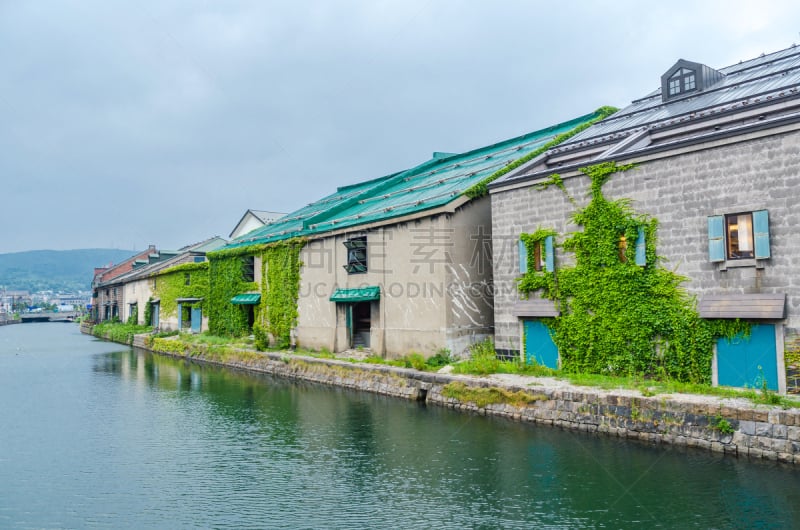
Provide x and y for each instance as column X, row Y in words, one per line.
column 94, row 436
column 361, row 453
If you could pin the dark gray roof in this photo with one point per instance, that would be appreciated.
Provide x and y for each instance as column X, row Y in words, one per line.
column 760, row 93
column 746, row 81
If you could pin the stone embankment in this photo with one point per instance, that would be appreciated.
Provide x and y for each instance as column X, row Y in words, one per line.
column 732, row 426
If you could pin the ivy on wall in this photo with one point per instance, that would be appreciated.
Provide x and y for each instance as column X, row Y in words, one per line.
column 618, row 317
column 226, row 281
column 148, row 312
column 171, row 284
column 276, row 313
column 280, row 288
column 481, row 188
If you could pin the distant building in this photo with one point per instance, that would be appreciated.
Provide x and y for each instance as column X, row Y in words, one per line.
column 14, row 298
column 106, row 300
column 71, row 299
column 253, row 219
column 136, row 293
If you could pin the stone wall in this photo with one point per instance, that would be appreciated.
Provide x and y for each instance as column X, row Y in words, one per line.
column 680, row 190
column 734, row 427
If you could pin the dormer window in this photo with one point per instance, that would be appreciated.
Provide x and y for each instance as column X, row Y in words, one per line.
column 687, row 77
column 683, row 80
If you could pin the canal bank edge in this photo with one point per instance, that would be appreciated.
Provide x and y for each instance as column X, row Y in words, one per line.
column 731, row 426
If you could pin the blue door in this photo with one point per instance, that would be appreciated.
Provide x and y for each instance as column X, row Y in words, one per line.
column 197, row 319
column 539, row 345
column 747, row 361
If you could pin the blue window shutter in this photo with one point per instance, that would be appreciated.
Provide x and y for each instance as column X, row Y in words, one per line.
column 641, row 248
column 549, row 262
column 523, row 257
column 761, row 233
column 716, row 238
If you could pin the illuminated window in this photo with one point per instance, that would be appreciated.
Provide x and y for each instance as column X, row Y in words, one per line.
column 739, row 238
column 622, row 246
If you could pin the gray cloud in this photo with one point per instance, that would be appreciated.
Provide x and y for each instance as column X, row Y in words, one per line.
column 128, row 123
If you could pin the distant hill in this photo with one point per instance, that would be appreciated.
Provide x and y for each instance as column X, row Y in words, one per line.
column 57, row 270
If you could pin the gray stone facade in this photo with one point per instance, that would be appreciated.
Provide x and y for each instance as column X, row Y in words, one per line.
column 680, row 188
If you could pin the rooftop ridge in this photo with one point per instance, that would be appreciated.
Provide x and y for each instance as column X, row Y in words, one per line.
column 732, row 84
column 742, row 66
column 434, row 183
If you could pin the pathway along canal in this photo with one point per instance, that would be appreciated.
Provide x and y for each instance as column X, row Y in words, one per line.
column 94, row 434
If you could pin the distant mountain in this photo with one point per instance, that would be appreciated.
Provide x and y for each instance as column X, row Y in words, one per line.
column 57, row 270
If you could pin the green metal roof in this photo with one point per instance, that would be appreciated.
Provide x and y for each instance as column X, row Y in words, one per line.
column 432, row 184
column 246, row 299
column 364, row 294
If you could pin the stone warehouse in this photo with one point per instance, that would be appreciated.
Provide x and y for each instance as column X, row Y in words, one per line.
column 165, row 289
column 398, row 264
column 717, row 171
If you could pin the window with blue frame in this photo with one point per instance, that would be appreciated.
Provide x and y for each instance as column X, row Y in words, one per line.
column 739, row 236
column 542, row 254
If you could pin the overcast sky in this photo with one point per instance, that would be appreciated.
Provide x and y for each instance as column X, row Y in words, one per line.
column 128, row 123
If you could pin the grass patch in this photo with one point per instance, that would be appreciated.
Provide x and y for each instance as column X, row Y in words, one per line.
column 482, row 397
column 118, row 331
column 207, row 339
column 651, row 387
column 483, row 361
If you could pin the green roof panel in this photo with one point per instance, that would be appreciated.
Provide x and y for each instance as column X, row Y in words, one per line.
column 433, row 184
column 363, row 294
column 246, row 299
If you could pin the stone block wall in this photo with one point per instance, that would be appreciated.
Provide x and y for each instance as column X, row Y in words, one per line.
column 681, row 191
column 720, row 426
column 735, row 427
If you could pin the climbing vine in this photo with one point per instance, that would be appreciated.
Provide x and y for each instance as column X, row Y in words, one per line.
column 280, row 288
column 618, row 317
column 276, row 313
column 226, row 281
column 481, row 188
column 534, row 280
column 189, row 280
column 148, row 312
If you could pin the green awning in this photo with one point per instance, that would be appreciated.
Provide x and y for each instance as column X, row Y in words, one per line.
column 246, row 299
column 364, row 294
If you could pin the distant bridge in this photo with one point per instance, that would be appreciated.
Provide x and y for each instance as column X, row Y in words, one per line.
column 50, row 316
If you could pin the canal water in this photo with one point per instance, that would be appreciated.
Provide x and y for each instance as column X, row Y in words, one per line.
column 93, row 434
